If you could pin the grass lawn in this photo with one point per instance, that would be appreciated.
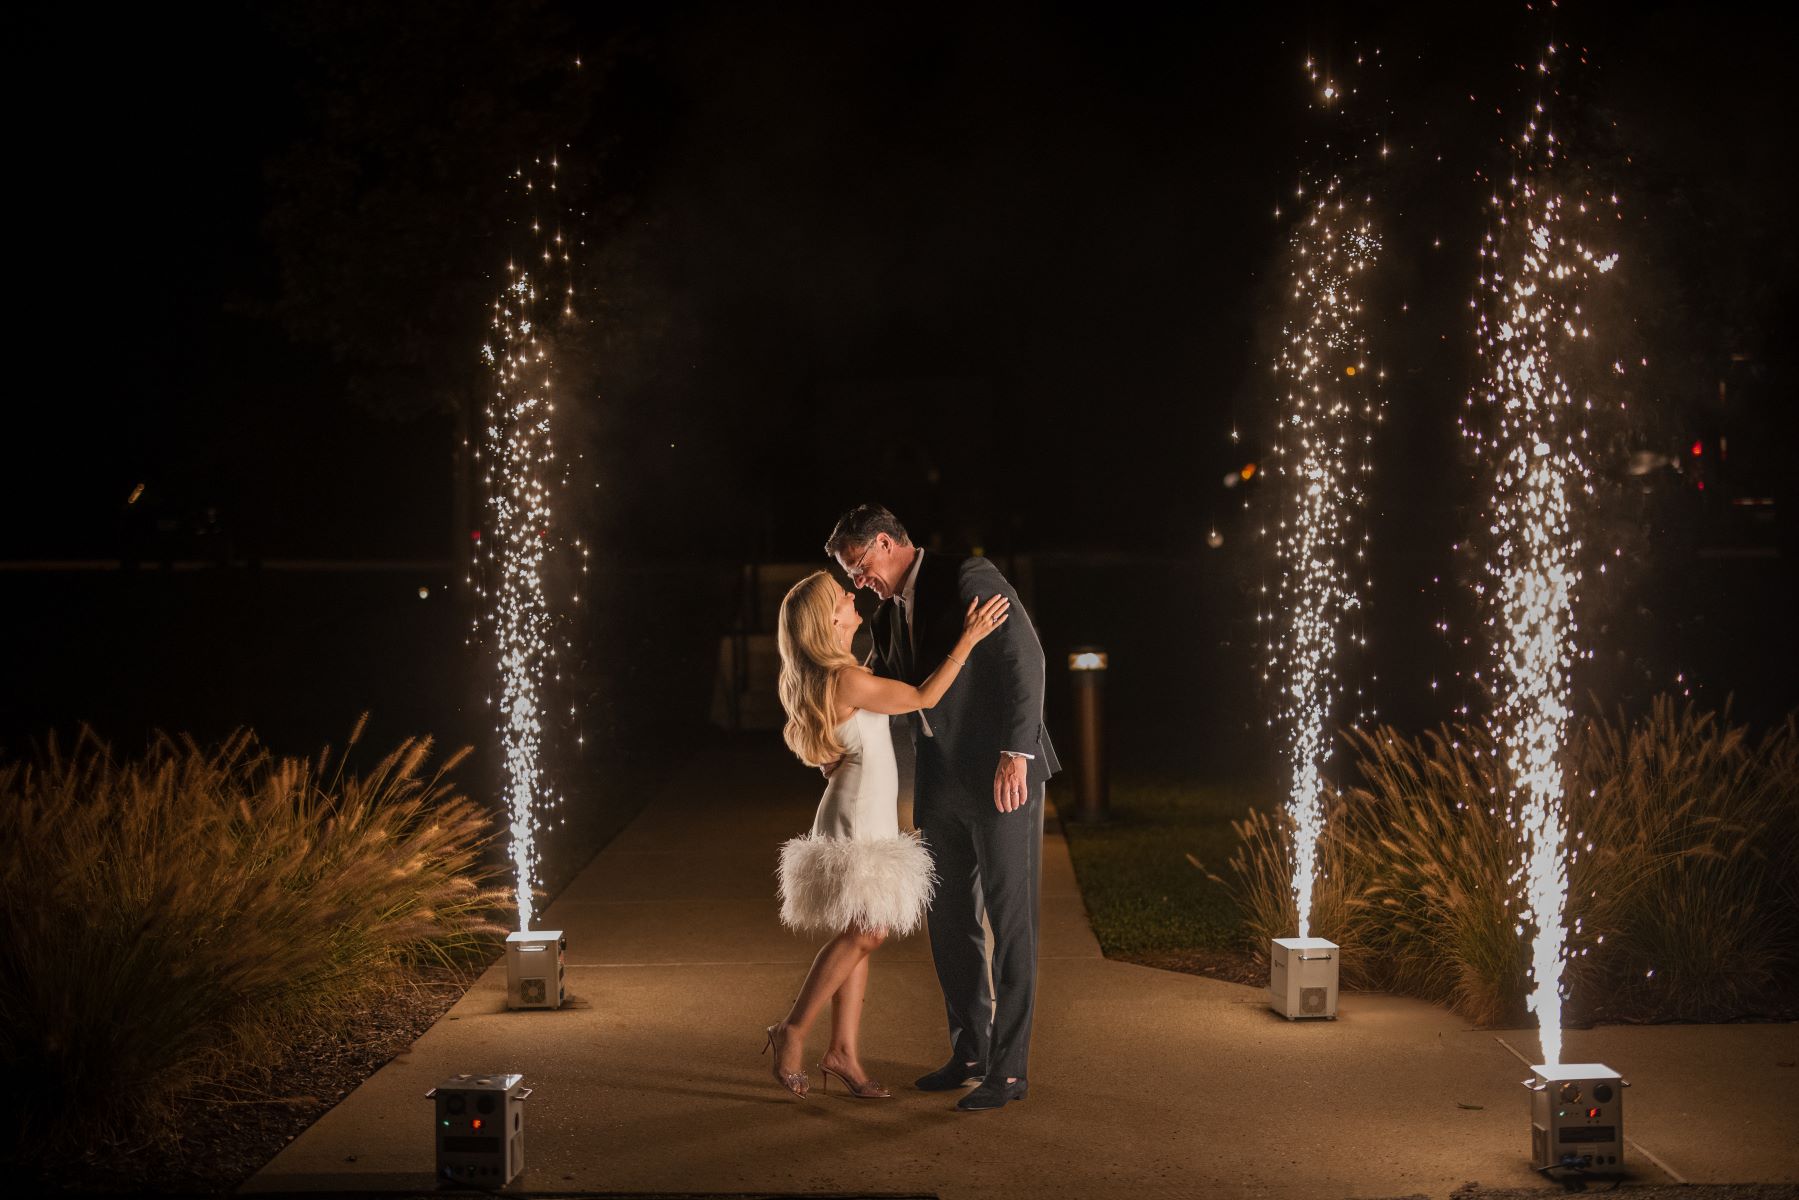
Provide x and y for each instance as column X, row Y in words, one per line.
column 1148, row 903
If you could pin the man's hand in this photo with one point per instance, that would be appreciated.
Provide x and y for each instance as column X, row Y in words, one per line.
column 1011, row 783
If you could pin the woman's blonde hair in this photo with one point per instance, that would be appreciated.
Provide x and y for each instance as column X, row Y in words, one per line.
column 810, row 660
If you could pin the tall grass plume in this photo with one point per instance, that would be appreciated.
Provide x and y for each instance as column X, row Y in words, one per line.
column 1683, row 871
column 167, row 917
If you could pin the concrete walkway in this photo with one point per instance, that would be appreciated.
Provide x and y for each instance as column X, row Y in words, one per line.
column 1143, row 1082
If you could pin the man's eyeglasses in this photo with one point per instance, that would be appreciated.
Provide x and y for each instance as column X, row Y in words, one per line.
column 856, row 571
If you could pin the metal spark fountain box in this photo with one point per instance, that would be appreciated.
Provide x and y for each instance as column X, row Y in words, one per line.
column 1576, row 1117
column 535, row 963
column 1302, row 978
column 480, row 1128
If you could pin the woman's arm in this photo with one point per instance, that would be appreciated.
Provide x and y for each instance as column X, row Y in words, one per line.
column 858, row 688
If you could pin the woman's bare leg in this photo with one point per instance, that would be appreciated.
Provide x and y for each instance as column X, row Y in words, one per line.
column 835, row 961
column 844, row 1056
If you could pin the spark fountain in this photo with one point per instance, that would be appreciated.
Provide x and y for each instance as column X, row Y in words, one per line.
column 1536, row 262
column 1327, row 407
column 521, row 465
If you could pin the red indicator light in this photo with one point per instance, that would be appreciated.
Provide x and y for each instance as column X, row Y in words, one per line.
column 1698, row 448
column 1701, row 485
column 1591, row 1112
column 476, row 1123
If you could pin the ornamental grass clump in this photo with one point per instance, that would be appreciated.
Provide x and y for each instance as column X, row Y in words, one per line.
column 1683, row 897
column 1692, row 875
column 169, row 919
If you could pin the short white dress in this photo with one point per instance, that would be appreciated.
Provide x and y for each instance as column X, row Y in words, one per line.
column 856, row 870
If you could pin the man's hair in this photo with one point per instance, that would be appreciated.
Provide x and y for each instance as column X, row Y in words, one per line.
column 859, row 525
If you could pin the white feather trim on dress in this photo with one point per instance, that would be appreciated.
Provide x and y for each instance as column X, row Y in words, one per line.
column 831, row 884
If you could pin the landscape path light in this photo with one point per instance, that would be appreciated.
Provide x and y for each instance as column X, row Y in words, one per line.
column 1087, row 672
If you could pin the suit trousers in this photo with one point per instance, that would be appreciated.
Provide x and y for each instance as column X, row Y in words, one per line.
column 988, row 861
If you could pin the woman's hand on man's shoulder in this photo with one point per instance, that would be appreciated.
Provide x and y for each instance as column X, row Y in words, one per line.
column 980, row 580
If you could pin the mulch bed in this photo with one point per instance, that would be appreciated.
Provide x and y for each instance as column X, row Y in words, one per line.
column 1232, row 966
column 225, row 1136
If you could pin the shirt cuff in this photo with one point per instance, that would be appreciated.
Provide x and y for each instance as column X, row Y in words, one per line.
column 1017, row 754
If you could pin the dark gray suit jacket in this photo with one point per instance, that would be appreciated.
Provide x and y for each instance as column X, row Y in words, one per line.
column 996, row 703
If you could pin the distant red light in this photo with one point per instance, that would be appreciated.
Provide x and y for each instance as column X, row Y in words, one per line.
column 1701, row 485
column 474, row 535
column 1698, row 448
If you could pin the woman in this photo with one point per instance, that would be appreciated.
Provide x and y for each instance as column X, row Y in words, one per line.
column 855, row 876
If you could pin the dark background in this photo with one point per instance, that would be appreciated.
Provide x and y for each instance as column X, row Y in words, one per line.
column 1011, row 270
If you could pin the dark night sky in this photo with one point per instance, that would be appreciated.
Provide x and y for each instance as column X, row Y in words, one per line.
column 1011, row 269
column 1051, row 230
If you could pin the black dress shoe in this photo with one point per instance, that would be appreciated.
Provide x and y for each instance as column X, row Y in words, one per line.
column 993, row 1093
column 951, row 1075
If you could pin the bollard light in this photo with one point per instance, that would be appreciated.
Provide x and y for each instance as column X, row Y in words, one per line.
column 1087, row 673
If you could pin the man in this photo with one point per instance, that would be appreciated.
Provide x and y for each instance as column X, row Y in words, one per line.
column 983, row 759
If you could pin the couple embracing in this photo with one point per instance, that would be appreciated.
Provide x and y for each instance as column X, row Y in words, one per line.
column 955, row 654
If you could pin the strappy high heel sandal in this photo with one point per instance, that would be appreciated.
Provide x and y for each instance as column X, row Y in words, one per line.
column 794, row 1081
column 864, row 1089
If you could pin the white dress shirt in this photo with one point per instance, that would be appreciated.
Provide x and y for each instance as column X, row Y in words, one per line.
column 903, row 597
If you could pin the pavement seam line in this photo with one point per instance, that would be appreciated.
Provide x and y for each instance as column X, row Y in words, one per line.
column 1676, row 1176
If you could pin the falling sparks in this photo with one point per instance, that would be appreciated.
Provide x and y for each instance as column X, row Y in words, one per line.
column 1326, row 410
column 1534, row 271
column 521, row 462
